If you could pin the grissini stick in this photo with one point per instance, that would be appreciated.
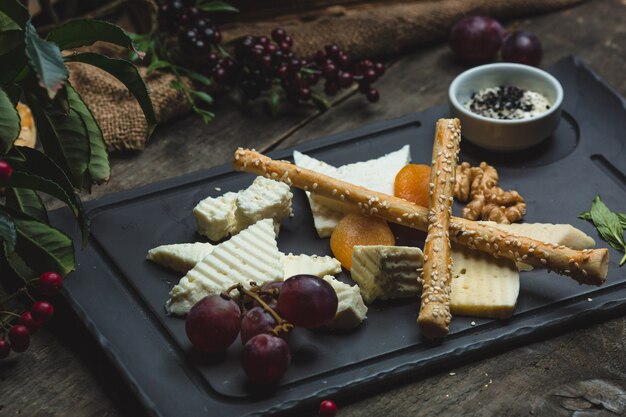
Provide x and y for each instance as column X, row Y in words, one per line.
column 434, row 316
column 589, row 266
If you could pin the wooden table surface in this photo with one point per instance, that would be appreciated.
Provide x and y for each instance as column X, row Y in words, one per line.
column 578, row 373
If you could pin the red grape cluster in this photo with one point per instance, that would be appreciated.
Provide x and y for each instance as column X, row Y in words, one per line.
column 49, row 284
column 477, row 39
column 214, row 322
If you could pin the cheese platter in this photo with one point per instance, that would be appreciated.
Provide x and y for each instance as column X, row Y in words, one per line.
column 171, row 378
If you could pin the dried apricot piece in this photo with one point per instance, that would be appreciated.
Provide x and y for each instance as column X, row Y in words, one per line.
column 412, row 184
column 358, row 229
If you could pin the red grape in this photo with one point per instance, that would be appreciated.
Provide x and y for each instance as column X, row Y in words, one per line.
column 270, row 300
column 265, row 358
column 256, row 321
column 476, row 39
column 5, row 348
column 307, row 301
column 522, row 47
column 213, row 323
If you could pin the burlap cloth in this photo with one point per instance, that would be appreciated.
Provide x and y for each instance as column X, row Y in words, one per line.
column 372, row 29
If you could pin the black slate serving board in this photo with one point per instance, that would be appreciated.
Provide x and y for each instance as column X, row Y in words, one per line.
column 114, row 285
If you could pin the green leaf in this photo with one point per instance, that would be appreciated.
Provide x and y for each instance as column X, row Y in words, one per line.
column 9, row 122
column 38, row 172
column 15, row 11
column 12, row 64
column 203, row 97
column 26, row 201
column 8, row 232
column 156, row 64
column 127, row 73
column 9, row 40
column 320, row 101
column 199, row 78
column 20, row 267
column 45, row 245
column 85, row 32
column 6, row 23
column 622, row 219
column 608, row 224
column 99, row 169
column 45, row 59
column 216, row 6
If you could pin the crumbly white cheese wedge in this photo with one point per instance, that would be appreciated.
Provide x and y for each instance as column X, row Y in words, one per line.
column 351, row 310
column 180, row 257
column 264, row 199
column 376, row 174
column 215, row 216
column 250, row 256
column 319, row 266
column 557, row 234
column 386, row 272
column 482, row 286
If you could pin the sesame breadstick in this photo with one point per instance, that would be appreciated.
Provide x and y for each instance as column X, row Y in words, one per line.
column 589, row 266
column 434, row 317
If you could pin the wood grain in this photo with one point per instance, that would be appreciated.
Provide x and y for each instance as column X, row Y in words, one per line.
column 63, row 374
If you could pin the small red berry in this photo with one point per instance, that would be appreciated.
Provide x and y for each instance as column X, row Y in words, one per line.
column 278, row 34
column 27, row 320
column 372, row 95
column 5, row 348
column 19, row 336
column 5, row 171
column 42, row 311
column 328, row 409
column 50, row 283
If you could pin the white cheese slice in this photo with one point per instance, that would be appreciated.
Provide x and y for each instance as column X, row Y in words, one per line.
column 180, row 257
column 387, row 272
column 319, row 266
column 215, row 216
column 482, row 286
column 376, row 174
column 250, row 256
column 556, row 234
column 264, row 199
column 351, row 310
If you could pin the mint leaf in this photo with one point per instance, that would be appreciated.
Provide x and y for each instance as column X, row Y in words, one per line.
column 610, row 225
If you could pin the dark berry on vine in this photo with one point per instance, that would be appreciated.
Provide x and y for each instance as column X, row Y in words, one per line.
column 5, row 171
column 282, row 72
column 19, row 336
column 202, row 23
column 328, row 409
column 270, row 299
column 213, row 323
column 220, row 75
column 263, row 40
column 345, row 79
column 285, row 47
column 27, row 320
column 256, row 321
column 288, row 41
column 278, row 34
column 212, row 60
column 294, row 66
column 332, row 51
column 304, row 94
column 217, row 38
column 329, row 71
column 42, row 311
column 331, row 88
column 370, row 75
column 312, row 79
column 266, row 62
column 50, row 283
column 372, row 95
column 265, row 358
column 343, row 61
column 320, row 57
column 5, row 348
column 379, row 67
column 200, row 46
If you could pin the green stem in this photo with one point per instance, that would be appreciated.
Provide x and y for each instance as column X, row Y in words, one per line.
column 15, row 294
column 623, row 260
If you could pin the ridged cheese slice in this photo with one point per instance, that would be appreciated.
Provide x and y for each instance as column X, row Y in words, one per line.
column 376, row 174
column 482, row 286
column 387, row 272
column 215, row 216
column 351, row 311
column 250, row 256
column 319, row 266
column 180, row 257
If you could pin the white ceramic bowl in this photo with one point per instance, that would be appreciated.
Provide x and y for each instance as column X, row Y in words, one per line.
column 506, row 135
